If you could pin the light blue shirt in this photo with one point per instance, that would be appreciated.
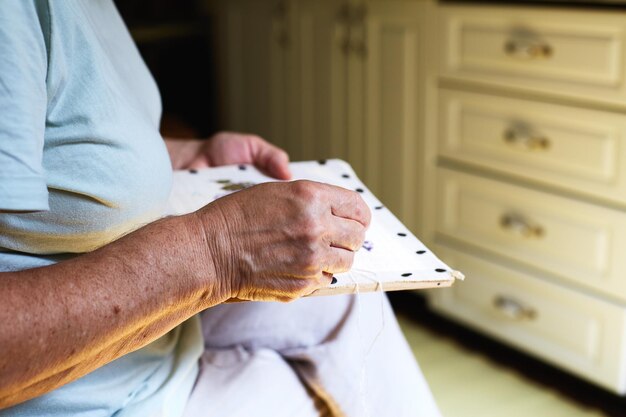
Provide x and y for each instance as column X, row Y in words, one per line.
column 80, row 151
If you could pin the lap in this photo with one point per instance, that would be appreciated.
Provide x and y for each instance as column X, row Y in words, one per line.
column 255, row 325
column 348, row 350
column 234, row 383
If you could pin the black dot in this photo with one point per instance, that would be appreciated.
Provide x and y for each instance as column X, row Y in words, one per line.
column 322, row 162
column 378, row 207
column 420, row 252
column 242, row 167
column 440, row 270
column 408, row 274
column 402, row 234
column 346, row 176
column 193, row 171
column 359, row 190
column 439, row 283
column 333, row 281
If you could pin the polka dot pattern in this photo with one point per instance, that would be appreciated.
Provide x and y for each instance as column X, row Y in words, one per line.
column 405, row 259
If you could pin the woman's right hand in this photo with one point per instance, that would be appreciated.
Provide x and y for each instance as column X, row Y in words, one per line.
column 280, row 241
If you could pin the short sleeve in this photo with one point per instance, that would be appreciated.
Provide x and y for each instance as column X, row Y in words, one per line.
column 23, row 102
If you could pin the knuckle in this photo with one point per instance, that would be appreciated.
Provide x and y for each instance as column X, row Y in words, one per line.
column 361, row 209
column 312, row 231
column 306, row 190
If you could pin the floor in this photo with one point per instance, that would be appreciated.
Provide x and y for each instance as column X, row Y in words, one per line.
column 471, row 375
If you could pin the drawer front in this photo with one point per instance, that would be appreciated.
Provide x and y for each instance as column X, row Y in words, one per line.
column 577, row 149
column 567, row 48
column 577, row 332
column 572, row 240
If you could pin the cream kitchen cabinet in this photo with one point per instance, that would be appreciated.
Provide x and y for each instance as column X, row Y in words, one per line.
column 395, row 38
column 257, row 68
column 527, row 155
column 332, row 79
column 323, row 42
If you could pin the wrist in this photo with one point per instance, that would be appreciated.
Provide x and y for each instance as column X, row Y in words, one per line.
column 208, row 245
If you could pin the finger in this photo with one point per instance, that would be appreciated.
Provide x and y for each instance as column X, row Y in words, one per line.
column 199, row 162
column 349, row 205
column 338, row 260
column 270, row 159
column 346, row 234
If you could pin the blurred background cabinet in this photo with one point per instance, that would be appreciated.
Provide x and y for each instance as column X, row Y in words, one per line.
column 529, row 165
column 331, row 79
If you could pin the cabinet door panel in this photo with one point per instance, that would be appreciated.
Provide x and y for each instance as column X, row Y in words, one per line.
column 570, row 329
column 256, row 53
column 574, row 53
column 578, row 242
column 393, row 34
column 580, row 150
column 322, row 35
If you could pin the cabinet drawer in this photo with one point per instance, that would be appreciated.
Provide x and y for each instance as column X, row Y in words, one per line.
column 570, row 239
column 566, row 48
column 572, row 330
column 577, row 149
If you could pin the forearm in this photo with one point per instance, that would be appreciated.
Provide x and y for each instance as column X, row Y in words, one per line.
column 60, row 322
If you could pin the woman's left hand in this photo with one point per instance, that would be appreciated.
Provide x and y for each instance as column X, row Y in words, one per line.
column 228, row 148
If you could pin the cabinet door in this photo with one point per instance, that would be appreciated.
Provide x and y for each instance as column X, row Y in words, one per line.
column 355, row 89
column 283, row 77
column 255, row 49
column 322, row 45
column 391, row 53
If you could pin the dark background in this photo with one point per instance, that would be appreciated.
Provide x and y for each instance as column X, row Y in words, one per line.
column 174, row 39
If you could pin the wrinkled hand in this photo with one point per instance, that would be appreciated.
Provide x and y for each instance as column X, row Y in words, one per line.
column 227, row 148
column 280, row 241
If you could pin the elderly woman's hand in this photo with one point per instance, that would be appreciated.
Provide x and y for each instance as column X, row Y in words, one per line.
column 280, row 241
column 229, row 148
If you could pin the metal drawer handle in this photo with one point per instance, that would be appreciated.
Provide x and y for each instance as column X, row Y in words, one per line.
column 528, row 49
column 529, row 141
column 518, row 223
column 513, row 309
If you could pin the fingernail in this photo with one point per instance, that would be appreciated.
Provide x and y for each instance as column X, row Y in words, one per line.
column 333, row 281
